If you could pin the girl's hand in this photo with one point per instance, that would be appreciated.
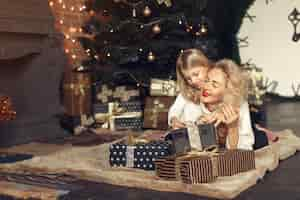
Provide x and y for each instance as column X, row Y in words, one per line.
column 230, row 114
column 216, row 118
column 176, row 124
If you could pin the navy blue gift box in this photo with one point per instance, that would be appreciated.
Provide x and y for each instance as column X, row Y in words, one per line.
column 141, row 155
column 130, row 118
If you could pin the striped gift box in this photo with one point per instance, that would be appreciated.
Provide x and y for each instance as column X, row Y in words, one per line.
column 204, row 167
column 200, row 169
column 232, row 162
column 191, row 169
column 166, row 168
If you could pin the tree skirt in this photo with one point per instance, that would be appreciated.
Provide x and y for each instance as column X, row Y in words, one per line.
column 92, row 163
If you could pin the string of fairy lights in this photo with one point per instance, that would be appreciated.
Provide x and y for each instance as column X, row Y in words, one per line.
column 69, row 16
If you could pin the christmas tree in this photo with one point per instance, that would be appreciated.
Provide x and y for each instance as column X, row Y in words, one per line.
column 144, row 37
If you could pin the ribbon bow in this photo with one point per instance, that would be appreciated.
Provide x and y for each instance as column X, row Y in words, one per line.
column 79, row 89
column 158, row 108
column 114, row 111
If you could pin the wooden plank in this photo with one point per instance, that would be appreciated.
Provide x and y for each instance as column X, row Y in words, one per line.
column 23, row 191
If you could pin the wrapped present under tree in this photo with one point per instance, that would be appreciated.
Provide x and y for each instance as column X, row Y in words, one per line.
column 105, row 93
column 77, row 94
column 156, row 112
column 119, row 116
column 160, row 87
column 118, row 106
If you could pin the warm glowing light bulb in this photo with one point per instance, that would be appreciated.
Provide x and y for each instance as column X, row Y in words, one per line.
column 72, row 29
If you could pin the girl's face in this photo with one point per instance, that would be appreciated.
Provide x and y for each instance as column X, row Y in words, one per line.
column 214, row 87
column 196, row 76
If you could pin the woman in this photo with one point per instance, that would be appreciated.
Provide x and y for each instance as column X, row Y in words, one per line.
column 224, row 102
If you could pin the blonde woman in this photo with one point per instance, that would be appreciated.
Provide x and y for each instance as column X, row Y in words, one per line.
column 224, row 102
column 191, row 68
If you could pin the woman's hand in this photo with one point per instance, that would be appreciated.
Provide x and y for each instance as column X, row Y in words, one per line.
column 230, row 114
column 226, row 114
column 176, row 123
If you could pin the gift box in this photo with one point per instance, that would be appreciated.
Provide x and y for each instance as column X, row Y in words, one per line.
column 119, row 116
column 156, row 112
column 77, row 94
column 198, row 137
column 140, row 155
column 204, row 167
column 105, row 93
column 179, row 141
column 191, row 174
column 192, row 169
column 160, row 87
column 232, row 162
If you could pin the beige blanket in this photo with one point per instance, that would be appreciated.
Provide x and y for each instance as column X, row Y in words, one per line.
column 92, row 163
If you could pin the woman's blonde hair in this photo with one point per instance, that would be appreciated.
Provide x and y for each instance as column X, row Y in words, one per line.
column 188, row 59
column 237, row 84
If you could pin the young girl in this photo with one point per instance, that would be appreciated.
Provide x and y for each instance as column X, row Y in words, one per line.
column 224, row 101
column 191, row 68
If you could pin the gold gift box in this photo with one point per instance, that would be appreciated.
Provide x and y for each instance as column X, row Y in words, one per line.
column 160, row 87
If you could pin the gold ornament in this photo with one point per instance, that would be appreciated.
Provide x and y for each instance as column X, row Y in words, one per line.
column 151, row 56
column 147, row 11
column 203, row 29
column 156, row 29
column 189, row 29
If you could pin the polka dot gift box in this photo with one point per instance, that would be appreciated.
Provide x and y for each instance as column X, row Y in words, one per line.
column 140, row 155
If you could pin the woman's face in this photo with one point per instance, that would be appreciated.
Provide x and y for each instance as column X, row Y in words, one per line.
column 196, row 76
column 214, row 87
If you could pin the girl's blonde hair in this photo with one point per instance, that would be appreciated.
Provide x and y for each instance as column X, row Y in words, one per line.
column 188, row 59
column 237, row 84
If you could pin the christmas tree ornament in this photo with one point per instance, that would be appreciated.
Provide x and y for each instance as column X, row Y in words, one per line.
column 105, row 13
column 92, row 13
column 189, row 28
column 203, row 29
column 168, row 3
column 134, row 12
column 151, row 56
column 147, row 11
column 156, row 29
